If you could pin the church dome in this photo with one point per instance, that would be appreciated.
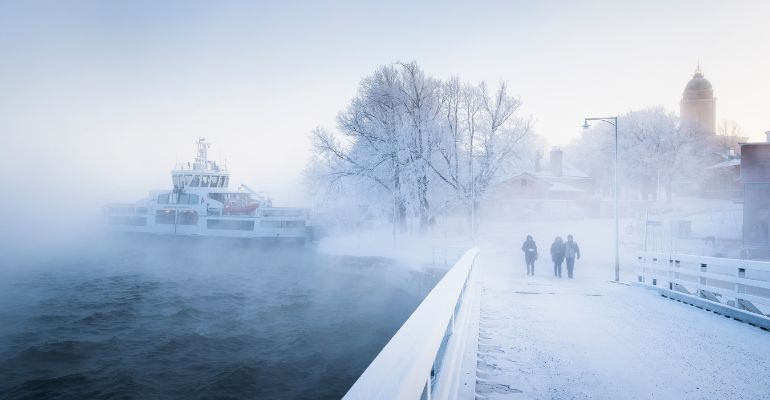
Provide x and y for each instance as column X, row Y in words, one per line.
column 698, row 87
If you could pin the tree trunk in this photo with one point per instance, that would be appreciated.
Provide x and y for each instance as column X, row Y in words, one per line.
column 422, row 193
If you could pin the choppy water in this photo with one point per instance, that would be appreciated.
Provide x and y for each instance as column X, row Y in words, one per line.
column 191, row 321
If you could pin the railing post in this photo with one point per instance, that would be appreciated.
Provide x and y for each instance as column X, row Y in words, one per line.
column 739, row 287
column 701, row 279
column 670, row 274
column 639, row 269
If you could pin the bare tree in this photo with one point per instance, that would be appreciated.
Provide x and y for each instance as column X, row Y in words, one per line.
column 482, row 133
column 406, row 134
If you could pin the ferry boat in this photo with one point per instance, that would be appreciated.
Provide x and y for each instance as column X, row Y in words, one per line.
column 201, row 203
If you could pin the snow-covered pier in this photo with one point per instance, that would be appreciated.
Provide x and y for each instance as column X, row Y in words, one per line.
column 548, row 338
column 489, row 331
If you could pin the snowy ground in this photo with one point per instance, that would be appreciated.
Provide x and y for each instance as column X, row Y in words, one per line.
column 545, row 338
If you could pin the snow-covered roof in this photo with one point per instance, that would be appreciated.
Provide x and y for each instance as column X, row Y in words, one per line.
column 735, row 162
column 528, row 174
column 546, row 180
column 568, row 171
column 562, row 187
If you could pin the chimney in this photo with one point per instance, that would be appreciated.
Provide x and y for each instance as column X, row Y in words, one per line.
column 557, row 163
column 767, row 136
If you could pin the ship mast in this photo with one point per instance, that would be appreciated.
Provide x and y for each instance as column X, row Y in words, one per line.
column 201, row 160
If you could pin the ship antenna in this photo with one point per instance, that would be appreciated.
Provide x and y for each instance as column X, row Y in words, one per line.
column 202, row 158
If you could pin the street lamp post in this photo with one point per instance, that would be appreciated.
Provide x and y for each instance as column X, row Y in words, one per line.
column 614, row 122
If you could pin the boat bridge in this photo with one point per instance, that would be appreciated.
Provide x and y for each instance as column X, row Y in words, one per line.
column 679, row 327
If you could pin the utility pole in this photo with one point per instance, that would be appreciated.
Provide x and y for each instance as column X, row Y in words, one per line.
column 614, row 122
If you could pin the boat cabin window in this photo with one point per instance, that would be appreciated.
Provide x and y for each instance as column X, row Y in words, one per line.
column 185, row 198
column 187, row 180
column 165, row 216
column 229, row 224
column 214, row 181
column 188, row 217
column 177, row 180
column 224, row 180
column 196, row 180
column 205, row 181
column 173, row 198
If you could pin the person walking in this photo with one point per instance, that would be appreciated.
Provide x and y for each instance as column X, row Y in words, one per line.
column 557, row 255
column 571, row 250
column 530, row 254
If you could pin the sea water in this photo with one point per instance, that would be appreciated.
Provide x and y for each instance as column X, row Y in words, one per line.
column 195, row 320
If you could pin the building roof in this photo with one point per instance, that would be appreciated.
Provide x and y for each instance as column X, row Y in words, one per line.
column 568, row 172
column 563, row 187
column 735, row 162
column 698, row 87
column 546, row 181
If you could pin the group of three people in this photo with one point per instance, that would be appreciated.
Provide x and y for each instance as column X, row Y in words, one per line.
column 561, row 251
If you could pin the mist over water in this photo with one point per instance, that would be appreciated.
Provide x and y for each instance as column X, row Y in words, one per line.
column 187, row 319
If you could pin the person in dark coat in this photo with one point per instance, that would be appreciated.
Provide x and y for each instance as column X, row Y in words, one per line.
column 557, row 255
column 571, row 250
column 530, row 254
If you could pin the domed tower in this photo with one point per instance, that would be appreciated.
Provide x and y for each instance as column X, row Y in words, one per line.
column 698, row 106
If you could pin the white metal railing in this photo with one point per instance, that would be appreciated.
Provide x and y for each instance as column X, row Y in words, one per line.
column 740, row 284
column 423, row 351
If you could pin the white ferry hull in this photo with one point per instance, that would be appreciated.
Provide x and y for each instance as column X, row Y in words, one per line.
column 201, row 205
column 173, row 222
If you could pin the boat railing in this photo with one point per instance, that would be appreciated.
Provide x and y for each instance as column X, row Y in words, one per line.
column 433, row 353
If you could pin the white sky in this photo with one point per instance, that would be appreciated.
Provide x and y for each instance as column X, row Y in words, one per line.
column 109, row 95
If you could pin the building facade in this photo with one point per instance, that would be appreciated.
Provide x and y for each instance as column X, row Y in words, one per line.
column 755, row 177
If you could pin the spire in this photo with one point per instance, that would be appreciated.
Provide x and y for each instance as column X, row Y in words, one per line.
column 698, row 71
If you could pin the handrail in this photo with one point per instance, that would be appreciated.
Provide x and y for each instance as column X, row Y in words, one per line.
column 405, row 366
column 737, row 284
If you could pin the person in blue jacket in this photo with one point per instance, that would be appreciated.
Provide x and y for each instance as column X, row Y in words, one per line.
column 571, row 250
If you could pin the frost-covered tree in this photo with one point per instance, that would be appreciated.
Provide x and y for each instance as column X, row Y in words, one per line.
column 421, row 106
column 370, row 151
column 653, row 150
column 407, row 137
column 482, row 138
